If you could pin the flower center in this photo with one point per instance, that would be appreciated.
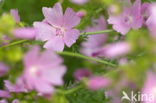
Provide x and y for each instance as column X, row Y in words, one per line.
column 60, row 32
column 34, row 71
column 128, row 19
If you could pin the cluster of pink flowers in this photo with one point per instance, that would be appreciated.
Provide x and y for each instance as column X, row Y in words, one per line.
column 43, row 71
column 133, row 16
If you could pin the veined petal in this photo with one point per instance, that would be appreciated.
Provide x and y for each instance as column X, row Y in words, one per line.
column 70, row 18
column 44, row 31
column 56, row 44
column 54, row 15
column 71, row 36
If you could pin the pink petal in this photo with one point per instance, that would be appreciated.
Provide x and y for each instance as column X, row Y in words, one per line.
column 43, row 87
column 79, row 2
column 70, row 18
column 54, row 15
column 98, row 82
column 118, row 25
column 136, row 10
column 4, row 94
column 33, row 54
column 15, row 14
column 25, row 33
column 56, row 44
column 3, row 69
column 55, row 75
column 71, row 36
column 47, row 57
column 44, row 31
column 81, row 73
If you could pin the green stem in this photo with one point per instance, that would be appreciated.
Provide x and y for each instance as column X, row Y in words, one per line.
column 87, row 58
column 14, row 43
column 97, row 32
column 82, row 34
column 69, row 91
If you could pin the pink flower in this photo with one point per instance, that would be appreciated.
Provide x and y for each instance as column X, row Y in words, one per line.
column 25, row 33
column 81, row 14
column 113, row 50
column 15, row 14
column 16, row 101
column 130, row 18
column 43, row 71
column 3, row 101
column 98, row 82
column 4, row 94
column 3, row 69
column 79, row 2
column 94, row 42
column 151, row 22
column 81, row 73
column 58, row 29
column 145, row 12
column 18, row 87
column 150, row 87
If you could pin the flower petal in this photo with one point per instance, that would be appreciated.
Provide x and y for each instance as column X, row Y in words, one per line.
column 70, row 18
column 71, row 36
column 44, row 31
column 54, row 15
column 55, row 75
column 25, row 33
column 56, row 44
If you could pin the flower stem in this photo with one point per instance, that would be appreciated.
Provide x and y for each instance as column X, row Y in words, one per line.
column 71, row 90
column 86, row 33
column 14, row 43
column 87, row 58
column 97, row 32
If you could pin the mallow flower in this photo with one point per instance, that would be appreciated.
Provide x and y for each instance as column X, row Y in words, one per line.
column 3, row 69
column 18, row 87
column 94, row 42
column 82, row 73
column 58, row 29
column 151, row 21
column 14, row 13
column 25, row 33
column 79, row 2
column 43, row 71
column 113, row 50
column 98, row 82
column 149, row 88
column 130, row 18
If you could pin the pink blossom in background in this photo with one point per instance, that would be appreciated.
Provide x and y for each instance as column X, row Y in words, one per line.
column 3, row 101
column 97, row 82
column 81, row 73
column 16, row 101
column 130, row 18
column 94, row 42
column 79, row 2
column 145, row 11
column 15, row 14
column 16, row 88
column 113, row 50
column 3, row 69
column 25, row 33
column 58, row 30
column 81, row 14
column 151, row 21
column 43, row 71
column 4, row 94
column 150, row 87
